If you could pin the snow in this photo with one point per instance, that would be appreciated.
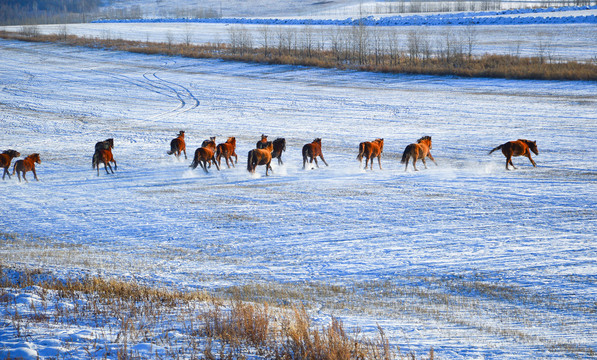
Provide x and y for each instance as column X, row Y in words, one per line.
column 457, row 231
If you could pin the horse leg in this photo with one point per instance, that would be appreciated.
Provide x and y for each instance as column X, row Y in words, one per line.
column 5, row 172
column 315, row 158
column 185, row 153
column 406, row 166
column 304, row 161
column 532, row 161
column 203, row 164
column 268, row 166
column 115, row 166
column 34, row 174
column 19, row 176
column 414, row 162
column 322, row 159
column 424, row 163
column 24, row 178
column 366, row 162
column 432, row 159
column 280, row 162
column 379, row 161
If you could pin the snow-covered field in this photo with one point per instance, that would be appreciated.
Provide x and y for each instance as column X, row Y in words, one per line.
column 466, row 257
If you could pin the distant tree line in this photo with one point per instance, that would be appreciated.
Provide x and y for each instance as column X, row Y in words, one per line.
column 20, row 12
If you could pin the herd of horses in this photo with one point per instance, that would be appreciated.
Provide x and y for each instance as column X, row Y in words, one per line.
column 209, row 153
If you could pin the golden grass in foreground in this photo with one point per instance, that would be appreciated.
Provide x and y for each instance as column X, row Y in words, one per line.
column 125, row 313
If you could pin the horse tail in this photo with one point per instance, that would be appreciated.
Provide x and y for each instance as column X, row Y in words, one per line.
column 250, row 161
column 361, row 151
column 406, row 153
column 95, row 159
column 497, row 148
column 195, row 162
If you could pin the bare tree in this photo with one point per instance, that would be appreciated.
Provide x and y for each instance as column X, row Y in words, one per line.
column 264, row 30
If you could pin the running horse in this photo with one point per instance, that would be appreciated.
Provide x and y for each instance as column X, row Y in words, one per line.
column 205, row 155
column 520, row 147
column 260, row 157
column 5, row 160
column 227, row 150
column 279, row 146
column 312, row 151
column 370, row 150
column 177, row 145
column 420, row 150
column 26, row 164
column 103, row 154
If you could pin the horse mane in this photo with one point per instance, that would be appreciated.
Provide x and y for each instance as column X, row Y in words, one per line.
column 424, row 138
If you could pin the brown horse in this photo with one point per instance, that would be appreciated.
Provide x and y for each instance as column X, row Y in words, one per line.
column 5, row 160
column 420, row 150
column 279, row 146
column 520, row 147
column 370, row 150
column 262, row 144
column 27, row 164
column 205, row 155
column 312, row 151
column 260, row 157
column 105, row 157
column 227, row 150
column 177, row 145
column 99, row 157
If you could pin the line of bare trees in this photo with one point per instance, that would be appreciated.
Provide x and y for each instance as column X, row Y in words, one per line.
column 351, row 45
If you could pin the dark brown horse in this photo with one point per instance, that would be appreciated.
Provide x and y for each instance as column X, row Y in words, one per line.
column 312, row 151
column 260, row 157
column 177, row 145
column 104, row 156
column 370, row 150
column 205, row 155
column 26, row 164
column 520, row 147
column 107, row 144
column 420, row 150
column 279, row 146
column 5, row 160
column 227, row 150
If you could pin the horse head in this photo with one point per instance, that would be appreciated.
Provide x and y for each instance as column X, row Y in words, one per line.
column 35, row 157
column 317, row 141
column 380, row 142
column 533, row 146
column 263, row 137
column 12, row 153
column 425, row 139
column 231, row 140
column 181, row 133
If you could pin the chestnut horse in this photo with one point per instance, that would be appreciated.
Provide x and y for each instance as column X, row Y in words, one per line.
column 279, row 146
column 260, row 157
column 177, row 145
column 105, row 157
column 227, row 150
column 5, row 159
column 103, row 154
column 205, row 155
column 313, row 150
column 370, row 150
column 27, row 164
column 520, row 147
column 420, row 150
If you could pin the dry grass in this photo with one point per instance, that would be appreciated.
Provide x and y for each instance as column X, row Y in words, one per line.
column 457, row 64
column 127, row 313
